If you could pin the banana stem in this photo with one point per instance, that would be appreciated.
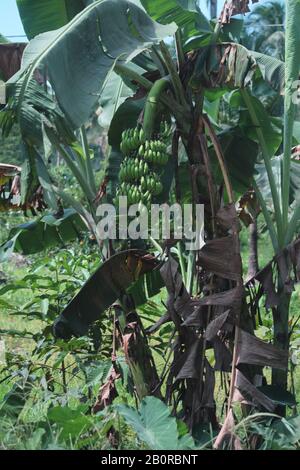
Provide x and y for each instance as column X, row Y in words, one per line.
column 151, row 106
column 181, row 114
column 132, row 75
column 267, row 216
column 88, row 162
column 220, row 157
column 268, row 165
column 292, row 226
column 179, row 49
column 176, row 82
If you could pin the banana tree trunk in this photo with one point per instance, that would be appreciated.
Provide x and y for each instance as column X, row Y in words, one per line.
column 253, row 253
column 281, row 334
column 137, row 352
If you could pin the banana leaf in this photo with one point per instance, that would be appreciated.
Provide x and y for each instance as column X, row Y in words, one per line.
column 47, row 15
column 186, row 14
column 103, row 288
column 46, row 232
column 263, row 184
column 232, row 65
column 84, row 51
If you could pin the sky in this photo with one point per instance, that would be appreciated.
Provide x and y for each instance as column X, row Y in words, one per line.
column 10, row 23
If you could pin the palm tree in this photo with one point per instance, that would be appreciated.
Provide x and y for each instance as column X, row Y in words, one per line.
column 264, row 29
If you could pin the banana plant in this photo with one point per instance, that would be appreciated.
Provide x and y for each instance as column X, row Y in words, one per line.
column 187, row 89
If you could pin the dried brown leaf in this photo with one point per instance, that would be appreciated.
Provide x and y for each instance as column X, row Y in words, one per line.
column 265, row 277
column 230, row 298
column 227, row 217
column 221, row 257
column 252, row 350
column 10, row 59
column 251, row 393
column 216, row 325
column 234, row 7
column 223, row 357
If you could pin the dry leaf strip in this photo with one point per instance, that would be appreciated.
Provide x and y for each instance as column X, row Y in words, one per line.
column 252, row 350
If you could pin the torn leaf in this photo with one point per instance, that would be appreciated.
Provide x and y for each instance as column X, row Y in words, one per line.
column 234, row 7
column 252, row 350
column 253, row 394
column 221, row 257
column 216, row 325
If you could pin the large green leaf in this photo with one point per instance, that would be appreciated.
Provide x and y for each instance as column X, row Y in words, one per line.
column 271, row 69
column 155, row 426
column 113, row 95
column 270, row 126
column 71, row 422
column 46, row 232
column 263, row 184
column 46, row 15
column 80, row 55
column 292, row 66
column 185, row 13
column 30, row 110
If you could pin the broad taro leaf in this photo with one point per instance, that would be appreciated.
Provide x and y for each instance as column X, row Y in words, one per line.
column 47, row 15
column 103, row 288
column 70, row 422
column 80, row 55
column 45, row 232
column 155, row 426
column 288, row 430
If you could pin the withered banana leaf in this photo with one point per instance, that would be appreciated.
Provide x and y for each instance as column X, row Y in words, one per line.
column 102, row 289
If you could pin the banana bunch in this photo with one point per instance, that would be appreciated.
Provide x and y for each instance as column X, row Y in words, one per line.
column 132, row 170
column 131, row 140
column 151, row 183
column 154, row 151
column 139, row 176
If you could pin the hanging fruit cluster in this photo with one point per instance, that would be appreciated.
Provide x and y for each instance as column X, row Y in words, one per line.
column 140, row 172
